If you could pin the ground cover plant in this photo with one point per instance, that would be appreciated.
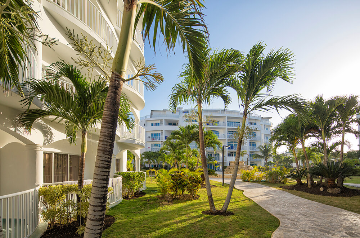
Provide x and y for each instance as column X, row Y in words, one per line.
column 150, row 216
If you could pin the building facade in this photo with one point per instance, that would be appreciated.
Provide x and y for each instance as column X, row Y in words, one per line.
column 45, row 156
column 224, row 123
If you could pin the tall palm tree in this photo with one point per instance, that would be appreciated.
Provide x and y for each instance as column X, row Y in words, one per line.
column 17, row 34
column 174, row 150
column 254, row 85
column 80, row 110
column 265, row 152
column 219, row 68
column 175, row 20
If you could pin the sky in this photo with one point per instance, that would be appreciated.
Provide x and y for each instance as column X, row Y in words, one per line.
column 324, row 36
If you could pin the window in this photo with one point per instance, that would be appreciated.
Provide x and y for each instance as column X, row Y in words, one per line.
column 172, row 123
column 252, row 123
column 216, row 133
column 155, row 147
column 232, row 154
column 186, row 111
column 252, row 135
column 155, row 136
column 60, row 167
column 230, row 134
column 252, row 145
column 233, row 124
column 267, row 128
column 155, row 124
column 193, row 145
column 232, row 145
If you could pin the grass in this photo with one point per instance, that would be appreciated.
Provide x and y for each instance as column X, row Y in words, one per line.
column 353, row 179
column 346, row 203
column 150, row 217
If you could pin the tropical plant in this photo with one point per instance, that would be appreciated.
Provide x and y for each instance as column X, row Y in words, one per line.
column 298, row 174
column 254, row 86
column 265, row 152
column 150, row 157
column 283, row 160
column 219, row 68
column 332, row 170
column 17, row 34
column 175, row 20
column 80, row 109
column 174, row 152
column 132, row 182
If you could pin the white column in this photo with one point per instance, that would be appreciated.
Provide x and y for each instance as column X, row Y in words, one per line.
column 36, row 154
column 123, row 161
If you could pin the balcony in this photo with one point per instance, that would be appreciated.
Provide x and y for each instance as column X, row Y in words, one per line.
column 253, row 148
column 214, row 124
column 254, row 127
column 256, row 138
column 136, row 136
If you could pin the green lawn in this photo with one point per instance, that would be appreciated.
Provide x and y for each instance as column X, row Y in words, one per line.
column 347, row 203
column 353, row 179
column 149, row 217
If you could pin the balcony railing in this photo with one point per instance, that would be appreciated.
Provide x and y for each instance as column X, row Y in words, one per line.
column 137, row 36
column 137, row 133
column 137, row 85
column 88, row 13
column 19, row 213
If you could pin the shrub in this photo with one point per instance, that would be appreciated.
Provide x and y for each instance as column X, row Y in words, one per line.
column 59, row 207
column 259, row 176
column 298, row 175
column 163, row 181
column 212, row 172
column 247, row 175
column 194, row 183
column 277, row 175
column 179, row 182
column 131, row 182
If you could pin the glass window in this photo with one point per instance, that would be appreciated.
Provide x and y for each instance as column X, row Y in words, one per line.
column 155, row 124
column 216, row 133
column 232, row 145
column 231, row 134
column 74, row 167
column 233, row 123
column 155, row 136
column 155, row 145
column 47, row 167
column 60, row 167
column 232, row 154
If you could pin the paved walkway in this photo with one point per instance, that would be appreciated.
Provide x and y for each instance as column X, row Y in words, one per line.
column 353, row 184
column 300, row 217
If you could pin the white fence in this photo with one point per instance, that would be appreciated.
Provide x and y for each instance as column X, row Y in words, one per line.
column 137, row 133
column 19, row 213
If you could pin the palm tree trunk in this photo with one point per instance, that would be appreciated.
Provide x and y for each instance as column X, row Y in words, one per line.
column 296, row 159
column 203, row 160
column 237, row 158
column 308, row 175
column 98, row 199
column 81, row 170
column 340, row 180
column 325, row 149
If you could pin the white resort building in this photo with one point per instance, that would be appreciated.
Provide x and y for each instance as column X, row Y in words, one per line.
column 224, row 123
column 44, row 156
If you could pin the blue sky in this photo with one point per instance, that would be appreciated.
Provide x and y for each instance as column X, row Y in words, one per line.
column 324, row 36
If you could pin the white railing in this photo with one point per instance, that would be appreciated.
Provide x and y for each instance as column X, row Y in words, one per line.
column 88, row 13
column 137, row 133
column 137, row 85
column 19, row 213
column 137, row 36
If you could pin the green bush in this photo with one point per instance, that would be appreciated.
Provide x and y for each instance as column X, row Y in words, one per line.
column 277, row 175
column 194, row 183
column 131, row 182
column 212, row 172
column 163, row 181
column 298, row 175
column 179, row 182
column 59, row 208
column 247, row 176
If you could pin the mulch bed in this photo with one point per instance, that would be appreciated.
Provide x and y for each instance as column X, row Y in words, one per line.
column 136, row 195
column 69, row 230
column 217, row 213
column 345, row 192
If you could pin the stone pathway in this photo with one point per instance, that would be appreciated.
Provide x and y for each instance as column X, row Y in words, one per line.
column 300, row 217
column 353, row 184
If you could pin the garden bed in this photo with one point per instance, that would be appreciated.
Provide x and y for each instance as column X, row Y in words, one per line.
column 345, row 192
column 69, row 230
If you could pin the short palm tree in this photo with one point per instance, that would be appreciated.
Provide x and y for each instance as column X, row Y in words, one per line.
column 175, row 20
column 80, row 110
column 324, row 117
column 17, row 28
column 220, row 67
column 265, row 152
column 254, row 85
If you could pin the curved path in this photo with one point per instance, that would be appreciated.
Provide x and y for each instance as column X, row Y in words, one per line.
column 300, row 217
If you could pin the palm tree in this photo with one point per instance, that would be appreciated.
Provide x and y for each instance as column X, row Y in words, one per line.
column 174, row 150
column 219, row 68
column 176, row 19
column 80, row 109
column 17, row 28
column 324, row 116
column 253, row 86
column 347, row 118
column 265, row 152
